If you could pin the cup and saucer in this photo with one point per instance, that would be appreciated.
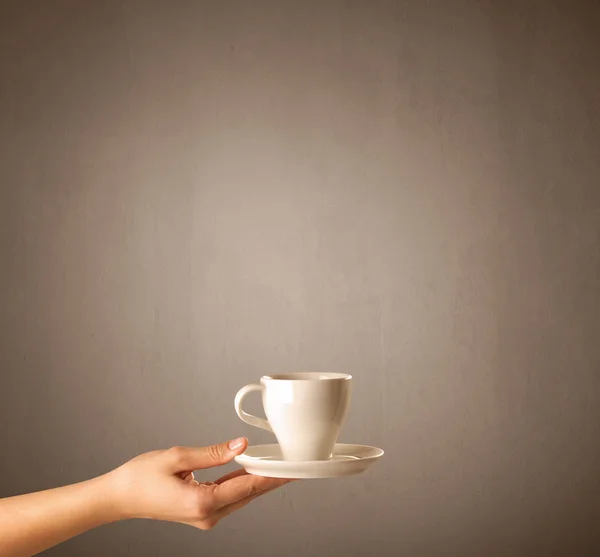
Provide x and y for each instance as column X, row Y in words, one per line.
column 305, row 412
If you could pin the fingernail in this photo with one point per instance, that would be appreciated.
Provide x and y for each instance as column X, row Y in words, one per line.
column 236, row 443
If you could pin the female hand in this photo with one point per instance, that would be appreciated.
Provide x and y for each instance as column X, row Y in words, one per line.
column 160, row 485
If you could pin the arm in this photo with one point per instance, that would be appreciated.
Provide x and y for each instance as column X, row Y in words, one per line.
column 159, row 485
column 36, row 521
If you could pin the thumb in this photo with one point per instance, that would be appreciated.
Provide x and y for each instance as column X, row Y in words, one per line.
column 196, row 458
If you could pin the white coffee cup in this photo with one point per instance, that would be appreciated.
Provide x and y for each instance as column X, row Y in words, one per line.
column 305, row 411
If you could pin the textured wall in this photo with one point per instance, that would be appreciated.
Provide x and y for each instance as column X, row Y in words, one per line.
column 196, row 193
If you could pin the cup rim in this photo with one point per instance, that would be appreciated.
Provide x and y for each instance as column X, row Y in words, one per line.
column 307, row 376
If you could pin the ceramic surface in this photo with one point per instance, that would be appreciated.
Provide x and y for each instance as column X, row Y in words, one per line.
column 267, row 460
column 305, row 411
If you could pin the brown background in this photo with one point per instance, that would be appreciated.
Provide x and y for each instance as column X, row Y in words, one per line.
column 197, row 193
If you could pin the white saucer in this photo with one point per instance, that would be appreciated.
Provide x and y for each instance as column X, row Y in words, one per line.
column 266, row 460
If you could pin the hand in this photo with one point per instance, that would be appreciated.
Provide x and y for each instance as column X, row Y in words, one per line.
column 160, row 485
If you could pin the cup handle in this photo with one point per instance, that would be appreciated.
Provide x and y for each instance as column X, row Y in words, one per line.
column 244, row 416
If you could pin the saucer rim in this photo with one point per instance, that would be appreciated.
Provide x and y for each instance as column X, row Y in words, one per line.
column 312, row 469
column 377, row 453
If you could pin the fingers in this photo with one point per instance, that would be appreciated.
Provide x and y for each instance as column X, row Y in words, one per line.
column 231, row 475
column 189, row 478
column 228, row 509
column 242, row 486
column 213, row 518
column 180, row 459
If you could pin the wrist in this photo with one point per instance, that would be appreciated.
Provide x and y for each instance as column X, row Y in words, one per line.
column 111, row 505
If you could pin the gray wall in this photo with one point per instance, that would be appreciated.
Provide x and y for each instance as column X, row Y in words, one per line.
column 197, row 193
